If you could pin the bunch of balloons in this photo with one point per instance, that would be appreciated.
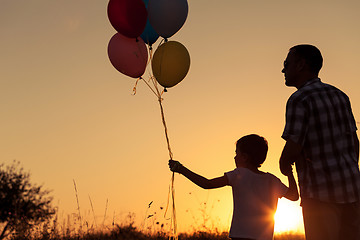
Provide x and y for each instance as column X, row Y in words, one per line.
column 141, row 22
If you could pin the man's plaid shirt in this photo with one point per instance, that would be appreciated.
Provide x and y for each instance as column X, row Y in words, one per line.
column 319, row 117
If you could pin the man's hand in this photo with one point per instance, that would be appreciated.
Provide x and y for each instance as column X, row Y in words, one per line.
column 286, row 168
column 290, row 153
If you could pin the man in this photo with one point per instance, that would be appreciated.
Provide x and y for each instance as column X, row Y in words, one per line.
column 321, row 139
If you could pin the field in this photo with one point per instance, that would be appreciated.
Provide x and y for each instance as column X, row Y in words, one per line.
column 79, row 227
column 131, row 233
column 127, row 231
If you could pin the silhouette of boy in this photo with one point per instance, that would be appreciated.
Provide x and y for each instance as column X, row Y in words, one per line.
column 255, row 193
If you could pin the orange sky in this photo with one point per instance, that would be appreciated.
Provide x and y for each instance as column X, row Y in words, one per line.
column 67, row 114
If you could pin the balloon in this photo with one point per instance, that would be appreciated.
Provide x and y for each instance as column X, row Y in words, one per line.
column 128, row 55
column 149, row 35
column 170, row 63
column 167, row 16
column 128, row 17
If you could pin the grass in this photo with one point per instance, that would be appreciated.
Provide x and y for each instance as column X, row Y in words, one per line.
column 126, row 232
column 76, row 227
column 73, row 228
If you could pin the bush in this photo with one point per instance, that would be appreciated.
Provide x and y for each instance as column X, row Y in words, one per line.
column 23, row 205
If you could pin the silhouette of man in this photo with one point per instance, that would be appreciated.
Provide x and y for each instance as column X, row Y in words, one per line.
column 321, row 139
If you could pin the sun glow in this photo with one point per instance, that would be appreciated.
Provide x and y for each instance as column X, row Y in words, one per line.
column 288, row 217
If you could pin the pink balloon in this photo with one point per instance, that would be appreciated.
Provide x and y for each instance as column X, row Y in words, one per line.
column 128, row 17
column 128, row 55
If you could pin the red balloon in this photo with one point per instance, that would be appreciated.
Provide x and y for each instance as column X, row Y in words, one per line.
column 128, row 17
column 128, row 55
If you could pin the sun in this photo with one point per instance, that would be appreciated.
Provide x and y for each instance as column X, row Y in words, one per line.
column 288, row 217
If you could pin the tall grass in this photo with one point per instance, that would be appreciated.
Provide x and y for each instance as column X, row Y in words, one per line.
column 76, row 227
column 71, row 229
column 129, row 232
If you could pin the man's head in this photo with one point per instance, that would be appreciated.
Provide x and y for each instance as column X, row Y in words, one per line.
column 252, row 148
column 302, row 63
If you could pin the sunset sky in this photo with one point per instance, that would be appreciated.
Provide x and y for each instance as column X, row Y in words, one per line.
column 67, row 114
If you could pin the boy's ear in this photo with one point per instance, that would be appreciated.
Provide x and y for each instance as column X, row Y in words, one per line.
column 248, row 160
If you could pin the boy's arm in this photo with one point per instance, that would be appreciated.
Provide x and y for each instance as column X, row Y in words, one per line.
column 199, row 180
column 292, row 194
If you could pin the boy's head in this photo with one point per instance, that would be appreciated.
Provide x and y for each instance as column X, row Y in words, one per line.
column 254, row 147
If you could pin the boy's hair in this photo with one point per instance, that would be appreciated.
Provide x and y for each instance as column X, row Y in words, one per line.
column 310, row 54
column 255, row 146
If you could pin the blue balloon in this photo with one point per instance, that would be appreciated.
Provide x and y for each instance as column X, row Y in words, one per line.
column 149, row 35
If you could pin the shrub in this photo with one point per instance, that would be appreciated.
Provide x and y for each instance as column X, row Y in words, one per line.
column 23, row 204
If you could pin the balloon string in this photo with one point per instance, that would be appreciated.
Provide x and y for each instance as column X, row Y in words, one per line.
column 171, row 192
column 150, row 56
column 173, row 235
column 149, row 87
column 173, row 216
column 172, row 187
column 134, row 88
column 165, row 127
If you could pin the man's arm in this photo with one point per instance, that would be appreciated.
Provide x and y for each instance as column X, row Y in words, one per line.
column 356, row 142
column 290, row 153
column 199, row 180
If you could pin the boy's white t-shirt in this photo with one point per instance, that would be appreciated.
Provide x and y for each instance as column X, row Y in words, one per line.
column 255, row 199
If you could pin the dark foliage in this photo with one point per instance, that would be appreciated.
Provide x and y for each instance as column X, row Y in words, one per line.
column 23, row 204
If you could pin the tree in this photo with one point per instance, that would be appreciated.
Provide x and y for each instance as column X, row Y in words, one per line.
column 23, row 204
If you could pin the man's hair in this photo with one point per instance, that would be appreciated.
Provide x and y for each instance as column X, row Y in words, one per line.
column 310, row 54
column 255, row 146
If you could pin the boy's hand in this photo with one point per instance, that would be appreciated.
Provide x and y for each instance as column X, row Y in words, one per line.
column 175, row 166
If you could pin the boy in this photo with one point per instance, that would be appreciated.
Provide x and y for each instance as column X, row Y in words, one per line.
column 255, row 193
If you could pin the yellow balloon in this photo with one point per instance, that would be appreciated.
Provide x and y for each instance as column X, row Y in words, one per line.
column 170, row 63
